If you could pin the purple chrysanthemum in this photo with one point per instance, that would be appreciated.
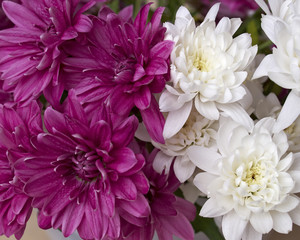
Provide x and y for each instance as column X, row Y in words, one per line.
column 17, row 126
column 170, row 215
column 231, row 8
column 124, row 63
column 82, row 171
column 30, row 51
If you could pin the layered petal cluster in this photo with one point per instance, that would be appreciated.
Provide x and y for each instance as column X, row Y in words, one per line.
column 281, row 25
column 124, row 64
column 170, row 215
column 30, row 52
column 197, row 131
column 17, row 127
column 251, row 182
column 208, row 67
column 82, row 171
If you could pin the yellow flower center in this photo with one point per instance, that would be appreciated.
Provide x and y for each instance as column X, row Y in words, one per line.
column 254, row 174
column 201, row 63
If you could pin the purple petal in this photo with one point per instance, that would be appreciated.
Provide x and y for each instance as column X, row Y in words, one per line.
column 74, row 212
column 42, row 184
column 138, row 208
column 20, row 15
column 141, row 182
column 124, row 188
column 141, row 19
column 154, row 121
column 124, row 133
column 84, row 24
column 124, row 160
column 126, row 13
column 59, row 200
column 157, row 66
column 142, row 98
column 58, row 20
column 162, row 50
column 156, row 17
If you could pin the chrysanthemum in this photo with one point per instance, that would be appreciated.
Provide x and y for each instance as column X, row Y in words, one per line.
column 207, row 69
column 234, row 8
column 17, row 126
column 125, row 63
column 197, row 131
column 82, row 171
column 281, row 25
column 31, row 54
column 170, row 215
column 251, row 182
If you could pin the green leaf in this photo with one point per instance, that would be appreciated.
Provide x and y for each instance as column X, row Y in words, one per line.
column 252, row 29
column 207, row 226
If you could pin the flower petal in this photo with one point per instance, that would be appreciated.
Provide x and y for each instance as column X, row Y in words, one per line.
column 233, row 226
column 176, row 119
column 262, row 222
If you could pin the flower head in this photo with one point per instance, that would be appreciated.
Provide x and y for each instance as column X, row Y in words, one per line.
column 251, row 182
column 170, row 215
column 33, row 45
column 124, row 64
column 281, row 25
column 17, row 127
column 82, row 169
column 197, row 131
column 207, row 69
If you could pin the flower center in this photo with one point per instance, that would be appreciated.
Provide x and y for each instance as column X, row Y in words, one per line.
column 254, row 174
column 84, row 165
column 201, row 63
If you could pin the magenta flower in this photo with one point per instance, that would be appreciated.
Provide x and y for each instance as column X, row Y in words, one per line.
column 82, row 171
column 17, row 127
column 170, row 215
column 124, row 64
column 31, row 51
column 232, row 8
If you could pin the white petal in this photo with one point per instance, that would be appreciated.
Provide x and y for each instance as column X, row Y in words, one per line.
column 202, row 180
column 233, row 226
column 183, row 168
column 285, row 163
column 224, row 25
column 176, row 119
column 262, row 222
column 169, row 102
column 237, row 113
column 263, row 6
column 183, row 12
column 268, row 25
column 288, row 204
column 267, row 63
column 162, row 162
column 212, row 13
column 284, row 80
column 190, row 192
column 211, row 209
column 227, row 143
column 296, row 164
column 142, row 133
column 251, row 234
column 289, row 112
column 296, row 177
column 295, row 215
column 207, row 109
column 204, row 158
column 282, row 222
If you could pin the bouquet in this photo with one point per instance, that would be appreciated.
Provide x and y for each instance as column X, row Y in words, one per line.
column 123, row 120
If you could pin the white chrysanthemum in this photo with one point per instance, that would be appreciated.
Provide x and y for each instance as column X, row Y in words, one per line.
column 251, row 182
column 281, row 25
column 197, row 131
column 207, row 69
